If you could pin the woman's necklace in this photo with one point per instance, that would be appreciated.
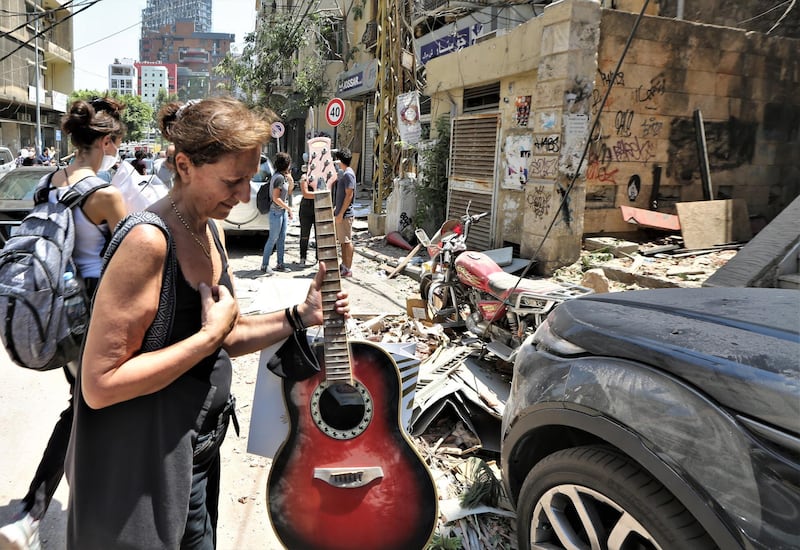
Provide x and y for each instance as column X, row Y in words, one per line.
column 206, row 250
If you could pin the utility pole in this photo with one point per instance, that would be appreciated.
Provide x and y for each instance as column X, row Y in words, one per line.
column 38, row 145
column 394, row 39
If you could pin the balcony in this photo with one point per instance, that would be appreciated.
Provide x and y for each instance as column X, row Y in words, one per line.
column 370, row 36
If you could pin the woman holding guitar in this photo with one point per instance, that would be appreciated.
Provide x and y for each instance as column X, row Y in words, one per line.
column 154, row 402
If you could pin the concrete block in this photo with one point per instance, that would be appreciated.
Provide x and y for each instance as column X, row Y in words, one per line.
column 376, row 224
column 710, row 223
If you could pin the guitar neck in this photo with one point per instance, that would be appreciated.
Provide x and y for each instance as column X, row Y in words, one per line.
column 337, row 351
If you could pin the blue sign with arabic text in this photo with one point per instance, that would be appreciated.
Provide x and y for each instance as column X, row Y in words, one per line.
column 446, row 44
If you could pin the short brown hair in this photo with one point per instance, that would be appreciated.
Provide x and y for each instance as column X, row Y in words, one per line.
column 207, row 129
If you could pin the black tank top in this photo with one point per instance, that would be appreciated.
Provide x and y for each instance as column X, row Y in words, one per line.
column 216, row 368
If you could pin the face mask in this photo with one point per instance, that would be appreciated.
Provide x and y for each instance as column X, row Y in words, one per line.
column 108, row 162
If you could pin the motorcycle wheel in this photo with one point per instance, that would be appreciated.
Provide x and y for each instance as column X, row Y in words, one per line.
column 443, row 304
column 425, row 285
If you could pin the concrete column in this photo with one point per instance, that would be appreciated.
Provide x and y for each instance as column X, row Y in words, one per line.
column 562, row 111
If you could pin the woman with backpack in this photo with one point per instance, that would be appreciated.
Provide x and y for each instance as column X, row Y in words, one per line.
column 143, row 463
column 281, row 186
column 96, row 131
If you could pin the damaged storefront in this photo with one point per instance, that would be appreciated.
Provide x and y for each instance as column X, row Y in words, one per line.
column 357, row 132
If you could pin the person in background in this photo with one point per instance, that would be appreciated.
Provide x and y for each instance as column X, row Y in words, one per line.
column 96, row 130
column 343, row 210
column 138, row 163
column 280, row 213
column 165, row 167
column 143, row 463
column 307, row 189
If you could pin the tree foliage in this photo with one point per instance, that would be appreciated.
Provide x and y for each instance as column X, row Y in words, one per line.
column 267, row 58
column 137, row 116
column 162, row 98
column 432, row 190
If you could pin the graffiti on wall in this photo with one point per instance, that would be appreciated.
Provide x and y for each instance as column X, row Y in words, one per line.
column 539, row 200
column 523, row 110
column 730, row 143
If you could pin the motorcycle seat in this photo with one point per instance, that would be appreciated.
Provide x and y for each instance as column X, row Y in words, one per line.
column 501, row 283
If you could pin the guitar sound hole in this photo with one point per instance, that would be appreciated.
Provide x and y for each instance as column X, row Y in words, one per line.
column 342, row 406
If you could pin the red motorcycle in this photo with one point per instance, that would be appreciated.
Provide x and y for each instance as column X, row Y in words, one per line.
column 466, row 288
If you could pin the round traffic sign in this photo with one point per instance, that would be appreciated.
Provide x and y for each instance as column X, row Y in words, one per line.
column 277, row 130
column 334, row 111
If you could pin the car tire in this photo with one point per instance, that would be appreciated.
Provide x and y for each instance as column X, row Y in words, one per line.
column 596, row 497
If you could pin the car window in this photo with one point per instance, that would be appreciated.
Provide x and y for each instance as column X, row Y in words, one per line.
column 19, row 185
column 6, row 156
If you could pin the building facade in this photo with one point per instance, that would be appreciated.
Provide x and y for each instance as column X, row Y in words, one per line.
column 552, row 141
column 154, row 77
column 123, row 77
column 159, row 13
column 35, row 73
column 194, row 53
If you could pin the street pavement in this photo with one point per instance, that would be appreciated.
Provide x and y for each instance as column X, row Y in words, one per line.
column 32, row 402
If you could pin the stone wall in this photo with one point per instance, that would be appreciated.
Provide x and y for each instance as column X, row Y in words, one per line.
column 744, row 85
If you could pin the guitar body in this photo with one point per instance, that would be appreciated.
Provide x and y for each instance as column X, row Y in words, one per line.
column 347, row 477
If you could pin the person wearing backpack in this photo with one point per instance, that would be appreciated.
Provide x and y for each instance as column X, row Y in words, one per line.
column 280, row 187
column 96, row 131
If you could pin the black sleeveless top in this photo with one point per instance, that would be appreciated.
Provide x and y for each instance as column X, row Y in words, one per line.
column 216, row 368
column 129, row 465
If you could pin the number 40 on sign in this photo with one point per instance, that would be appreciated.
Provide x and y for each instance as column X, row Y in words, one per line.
column 334, row 111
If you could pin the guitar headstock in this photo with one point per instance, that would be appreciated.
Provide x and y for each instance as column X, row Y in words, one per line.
column 321, row 170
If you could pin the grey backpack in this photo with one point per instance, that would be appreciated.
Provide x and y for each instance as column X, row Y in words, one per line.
column 38, row 331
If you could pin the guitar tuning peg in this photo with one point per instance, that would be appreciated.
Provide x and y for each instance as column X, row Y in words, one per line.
column 324, row 151
column 326, row 163
column 328, row 175
column 314, row 155
column 313, row 167
column 320, row 184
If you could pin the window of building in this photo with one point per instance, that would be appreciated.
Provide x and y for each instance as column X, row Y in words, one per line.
column 482, row 98
column 333, row 39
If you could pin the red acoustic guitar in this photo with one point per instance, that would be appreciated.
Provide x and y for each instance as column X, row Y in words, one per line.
column 347, row 476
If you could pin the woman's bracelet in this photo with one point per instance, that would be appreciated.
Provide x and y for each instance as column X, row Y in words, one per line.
column 298, row 320
column 288, row 313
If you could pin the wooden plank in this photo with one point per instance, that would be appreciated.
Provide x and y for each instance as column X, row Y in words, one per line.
column 405, row 261
column 705, row 224
column 648, row 218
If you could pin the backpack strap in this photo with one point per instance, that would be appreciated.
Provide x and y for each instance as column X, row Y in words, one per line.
column 77, row 193
column 159, row 332
column 43, row 188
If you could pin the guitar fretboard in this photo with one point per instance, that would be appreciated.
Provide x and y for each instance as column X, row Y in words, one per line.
column 337, row 352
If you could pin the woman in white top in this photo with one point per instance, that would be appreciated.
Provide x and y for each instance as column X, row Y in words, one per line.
column 96, row 131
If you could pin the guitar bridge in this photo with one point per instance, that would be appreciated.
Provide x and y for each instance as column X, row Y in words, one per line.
column 348, row 478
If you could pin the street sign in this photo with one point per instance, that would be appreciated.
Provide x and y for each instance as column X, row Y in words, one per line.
column 277, row 130
column 334, row 112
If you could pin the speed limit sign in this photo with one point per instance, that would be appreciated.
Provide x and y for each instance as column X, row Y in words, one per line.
column 334, row 112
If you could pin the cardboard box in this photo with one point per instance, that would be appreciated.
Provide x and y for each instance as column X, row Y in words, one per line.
column 418, row 309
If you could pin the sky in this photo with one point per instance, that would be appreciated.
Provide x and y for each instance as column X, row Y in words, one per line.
column 110, row 30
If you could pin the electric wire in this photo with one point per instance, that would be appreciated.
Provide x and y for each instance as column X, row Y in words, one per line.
column 574, row 177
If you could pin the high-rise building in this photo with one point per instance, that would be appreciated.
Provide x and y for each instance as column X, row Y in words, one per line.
column 158, row 13
column 195, row 53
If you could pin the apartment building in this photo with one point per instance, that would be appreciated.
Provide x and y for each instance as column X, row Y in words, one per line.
column 194, row 52
column 123, row 77
column 159, row 13
column 36, row 74
column 154, row 77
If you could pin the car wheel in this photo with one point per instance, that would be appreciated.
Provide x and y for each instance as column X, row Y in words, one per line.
column 594, row 497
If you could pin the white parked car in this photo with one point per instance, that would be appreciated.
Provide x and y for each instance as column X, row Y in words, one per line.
column 7, row 160
column 244, row 217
